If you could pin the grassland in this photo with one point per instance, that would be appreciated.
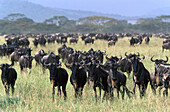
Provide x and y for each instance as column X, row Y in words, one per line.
column 34, row 92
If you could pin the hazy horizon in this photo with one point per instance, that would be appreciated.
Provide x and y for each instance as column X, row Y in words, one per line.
column 121, row 7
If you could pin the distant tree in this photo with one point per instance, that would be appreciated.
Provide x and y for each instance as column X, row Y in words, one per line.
column 57, row 20
column 25, row 19
column 96, row 20
column 14, row 16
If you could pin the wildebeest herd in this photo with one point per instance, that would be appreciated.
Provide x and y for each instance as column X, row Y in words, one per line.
column 87, row 67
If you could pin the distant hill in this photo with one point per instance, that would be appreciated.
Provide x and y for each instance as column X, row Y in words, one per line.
column 39, row 13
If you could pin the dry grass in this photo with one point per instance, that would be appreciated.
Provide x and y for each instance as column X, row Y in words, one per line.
column 34, row 91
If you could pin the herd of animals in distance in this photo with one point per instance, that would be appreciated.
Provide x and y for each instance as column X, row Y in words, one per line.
column 87, row 67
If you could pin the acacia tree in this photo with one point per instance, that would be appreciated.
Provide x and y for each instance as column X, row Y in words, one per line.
column 57, row 20
column 14, row 16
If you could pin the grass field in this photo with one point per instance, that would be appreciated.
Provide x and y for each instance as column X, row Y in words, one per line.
column 33, row 92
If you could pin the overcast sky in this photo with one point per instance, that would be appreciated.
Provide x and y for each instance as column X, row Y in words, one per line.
column 123, row 7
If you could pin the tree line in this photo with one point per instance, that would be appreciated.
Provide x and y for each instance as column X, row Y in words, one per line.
column 18, row 23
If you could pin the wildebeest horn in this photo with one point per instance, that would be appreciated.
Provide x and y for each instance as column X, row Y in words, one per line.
column 126, row 54
column 142, row 58
column 120, row 57
column 152, row 59
column 166, row 60
column 138, row 54
column 47, row 64
column 107, row 57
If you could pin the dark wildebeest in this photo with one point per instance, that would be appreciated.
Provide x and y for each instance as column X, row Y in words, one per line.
column 132, row 41
column 78, row 77
column 58, row 77
column 147, row 40
column 39, row 55
column 157, row 77
column 15, row 56
column 141, row 75
column 166, row 41
column 42, row 41
column 8, row 77
column 88, row 40
column 97, row 77
column 73, row 40
column 116, row 80
column 166, row 46
column 111, row 43
column 60, row 48
column 25, row 61
column 35, row 41
column 125, row 65
column 51, row 58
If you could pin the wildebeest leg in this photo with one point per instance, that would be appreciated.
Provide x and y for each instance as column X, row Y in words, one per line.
column 166, row 85
column 99, row 91
column 153, row 87
column 59, row 91
column 7, row 89
column 94, row 88
column 142, row 90
column 81, row 91
column 64, row 92
column 160, row 90
column 134, row 86
column 53, row 88
column 165, row 92
column 123, row 93
column 12, row 87
column 118, row 89
column 21, row 67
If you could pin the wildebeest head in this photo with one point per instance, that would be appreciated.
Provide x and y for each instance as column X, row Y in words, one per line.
column 135, row 61
column 90, row 67
column 75, row 67
column 113, row 70
column 29, row 60
column 52, row 68
column 159, row 61
column 42, row 52
column 4, row 68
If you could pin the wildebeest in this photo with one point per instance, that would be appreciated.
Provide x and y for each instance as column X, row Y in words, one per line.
column 19, row 52
column 157, row 78
column 88, row 40
column 42, row 41
column 116, row 80
column 58, row 77
column 8, row 77
column 166, row 41
column 25, row 61
column 141, row 75
column 50, row 58
column 35, row 41
column 97, row 77
column 125, row 64
column 111, row 43
column 39, row 55
column 166, row 46
column 147, row 39
column 73, row 40
column 78, row 77
column 136, row 40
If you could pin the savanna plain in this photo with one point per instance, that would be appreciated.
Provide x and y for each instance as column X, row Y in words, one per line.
column 33, row 92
